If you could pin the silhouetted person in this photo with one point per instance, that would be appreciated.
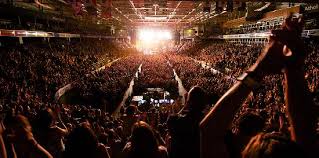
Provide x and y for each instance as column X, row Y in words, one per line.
column 184, row 128
column 83, row 143
column 143, row 143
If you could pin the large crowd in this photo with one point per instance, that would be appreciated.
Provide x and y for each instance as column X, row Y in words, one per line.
column 229, row 61
column 105, row 88
column 192, row 74
column 156, row 73
column 264, row 113
column 32, row 73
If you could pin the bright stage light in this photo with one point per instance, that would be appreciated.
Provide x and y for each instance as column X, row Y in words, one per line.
column 154, row 34
column 146, row 35
column 152, row 41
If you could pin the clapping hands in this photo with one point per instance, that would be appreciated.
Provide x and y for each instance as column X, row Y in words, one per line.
column 285, row 49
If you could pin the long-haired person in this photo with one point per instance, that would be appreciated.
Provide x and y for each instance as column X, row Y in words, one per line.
column 272, row 145
column 83, row 143
column 49, row 134
column 184, row 127
column 23, row 143
column 143, row 143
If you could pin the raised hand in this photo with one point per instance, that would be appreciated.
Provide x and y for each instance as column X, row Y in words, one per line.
column 285, row 49
column 290, row 37
column 271, row 60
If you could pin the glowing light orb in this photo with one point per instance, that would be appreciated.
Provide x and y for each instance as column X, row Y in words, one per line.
column 151, row 41
column 154, row 34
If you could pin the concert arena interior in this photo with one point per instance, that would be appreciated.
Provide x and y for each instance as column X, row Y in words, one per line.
column 159, row 79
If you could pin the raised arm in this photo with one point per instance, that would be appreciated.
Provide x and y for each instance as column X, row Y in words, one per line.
column 218, row 120
column 62, row 128
column 300, row 110
column 300, row 106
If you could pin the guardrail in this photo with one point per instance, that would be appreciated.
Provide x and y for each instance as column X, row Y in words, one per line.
column 263, row 35
column 27, row 33
column 249, row 35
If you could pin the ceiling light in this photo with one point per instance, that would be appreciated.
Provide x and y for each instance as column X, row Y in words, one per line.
column 156, row 18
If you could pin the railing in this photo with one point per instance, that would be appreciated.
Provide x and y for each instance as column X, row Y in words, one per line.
column 305, row 34
column 249, row 35
column 26, row 33
column 258, row 38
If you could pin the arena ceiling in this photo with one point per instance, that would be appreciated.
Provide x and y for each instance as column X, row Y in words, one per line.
column 148, row 12
column 170, row 13
column 165, row 12
column 174, row 12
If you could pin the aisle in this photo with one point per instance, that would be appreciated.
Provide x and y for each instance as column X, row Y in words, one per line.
column 206, row 65
column 127, row 93
column 181, row 89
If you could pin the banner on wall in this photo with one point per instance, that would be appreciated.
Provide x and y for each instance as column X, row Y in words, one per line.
column 311, row 8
